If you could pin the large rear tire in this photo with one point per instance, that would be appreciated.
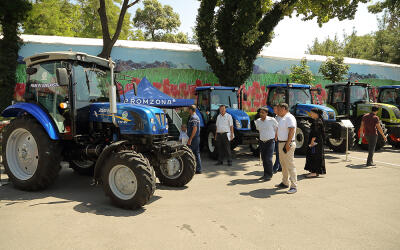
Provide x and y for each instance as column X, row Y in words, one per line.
column 31, row 159
column 302, row 136
column 339, row 145
column 128, row 180
column 212, row 150
column 178, row 171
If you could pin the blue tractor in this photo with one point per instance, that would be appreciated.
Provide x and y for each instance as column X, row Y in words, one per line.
column 71, row 116
column 208, row 101
column 299, row 99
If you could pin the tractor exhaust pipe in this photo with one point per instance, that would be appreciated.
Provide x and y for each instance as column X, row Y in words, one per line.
column 112, row 94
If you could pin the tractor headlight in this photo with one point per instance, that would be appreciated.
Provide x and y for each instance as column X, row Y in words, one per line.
column 154, row 128
column 238, row 124
column 152, row 120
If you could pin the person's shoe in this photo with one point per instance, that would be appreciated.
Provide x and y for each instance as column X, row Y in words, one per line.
column 275, row 171
column 280, row 170
column 292, row 191
column 198, row 172
column 281, row 186
column 371, row 164
column 229, row 163
column 219, row 163
column 265, row 178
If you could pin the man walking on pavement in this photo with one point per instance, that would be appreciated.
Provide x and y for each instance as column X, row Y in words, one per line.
column 193, row 131
column 223, row 136
column 267, row 127
column 369, row 126
column 287, row 145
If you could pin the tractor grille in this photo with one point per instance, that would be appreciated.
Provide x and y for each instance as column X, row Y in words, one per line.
column 163, row 119
column 244, row 123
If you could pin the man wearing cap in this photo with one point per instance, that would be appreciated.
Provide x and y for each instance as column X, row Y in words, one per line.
column 223, row 136
column 267, row 127
column 287, row 145
column 369, row 126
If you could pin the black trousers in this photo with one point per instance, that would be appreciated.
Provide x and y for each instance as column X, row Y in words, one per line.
column 267, row 151
column 372, row 139
column 223, row 147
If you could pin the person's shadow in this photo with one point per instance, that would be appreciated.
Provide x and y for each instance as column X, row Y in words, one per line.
column 264, row 193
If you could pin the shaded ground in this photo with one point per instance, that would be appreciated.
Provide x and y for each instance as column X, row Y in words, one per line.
column 352, row 207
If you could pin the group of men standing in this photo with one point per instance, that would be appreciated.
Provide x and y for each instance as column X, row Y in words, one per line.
column 279, row 137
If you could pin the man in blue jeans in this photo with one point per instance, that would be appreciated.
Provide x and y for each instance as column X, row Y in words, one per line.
column 267, row 127
column 193, row 131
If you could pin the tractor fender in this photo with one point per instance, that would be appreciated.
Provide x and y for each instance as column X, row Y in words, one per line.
column 36, row 111
column 104, row 155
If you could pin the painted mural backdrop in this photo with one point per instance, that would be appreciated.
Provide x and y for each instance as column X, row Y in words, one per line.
column 178, row 73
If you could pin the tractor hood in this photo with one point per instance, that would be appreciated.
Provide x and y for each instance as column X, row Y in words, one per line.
column 132, row 119
column 240, row 118
column 305, row 109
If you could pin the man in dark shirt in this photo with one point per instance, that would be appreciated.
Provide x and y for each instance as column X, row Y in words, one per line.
column 369, row 126
column 193, row 131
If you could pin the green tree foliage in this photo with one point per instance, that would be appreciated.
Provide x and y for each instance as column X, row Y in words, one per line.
column 329, row 47
column 91, row 22
column 53, row 17
column 12, row 14
column 301, row 73
column 175, row 38
column 157, row 21
column 334, row 69
column 242, row 27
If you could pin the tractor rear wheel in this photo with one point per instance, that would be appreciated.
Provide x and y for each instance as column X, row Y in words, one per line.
column 302, row 136
column 31, row 159
column 179, row 171
column 128, row 180
column 83, row 167
column 339, row 145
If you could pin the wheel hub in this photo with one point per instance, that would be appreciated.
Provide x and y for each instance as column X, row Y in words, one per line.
column 172, row 169
column 123, row 182
column 22, row 154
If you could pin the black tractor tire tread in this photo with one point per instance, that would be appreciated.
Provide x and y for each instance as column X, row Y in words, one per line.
column 189, row 168
column 141, row 167
column 49, row 155
column 305, row 126
column 342, row 147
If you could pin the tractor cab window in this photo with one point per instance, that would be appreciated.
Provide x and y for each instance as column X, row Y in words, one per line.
column 91, row 84
column 358, row 94
column 276, row 96
column 299, row 96
column 203, row 101
column 338, row 98
column 43, row 88
column 226, row 97
column 390, row 96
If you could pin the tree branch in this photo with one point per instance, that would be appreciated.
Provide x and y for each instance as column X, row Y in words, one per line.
column 104, row 21
column 133, row 3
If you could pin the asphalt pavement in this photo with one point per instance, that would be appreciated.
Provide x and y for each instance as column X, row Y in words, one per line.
column 351, row 207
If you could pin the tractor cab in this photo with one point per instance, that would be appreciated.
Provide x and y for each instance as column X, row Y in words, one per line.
column 209, row 99
column 389, row 95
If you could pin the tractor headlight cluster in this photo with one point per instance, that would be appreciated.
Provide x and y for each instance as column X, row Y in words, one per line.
column 325, row 115
column 152, row 120
column 238, row 124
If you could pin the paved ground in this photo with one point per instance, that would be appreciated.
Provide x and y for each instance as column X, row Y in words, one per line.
column 352, row 207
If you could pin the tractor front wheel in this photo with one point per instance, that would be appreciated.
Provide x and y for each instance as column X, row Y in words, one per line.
column 31, row 159
column 179, row 171
column 211, row 147
column 128, row 180
column 339, row 145
column 302, row 136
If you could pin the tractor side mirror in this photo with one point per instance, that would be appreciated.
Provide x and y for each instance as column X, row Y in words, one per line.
column 245, row 97
column 62, row 76
column 31, row 71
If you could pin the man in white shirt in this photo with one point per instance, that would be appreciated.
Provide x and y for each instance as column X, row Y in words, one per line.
column 287, row 145
column 267, row 127
column 223, row 136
